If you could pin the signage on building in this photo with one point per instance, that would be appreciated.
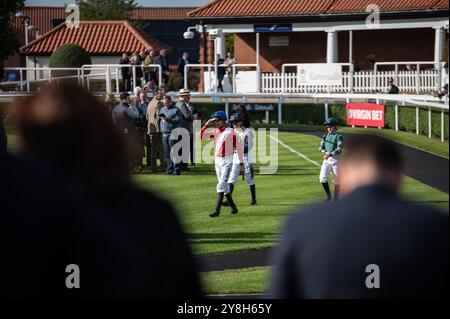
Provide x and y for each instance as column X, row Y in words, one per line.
column 279, row 41
column 365, row 114
column 319, row 74
column 280, row 27
column 255, row 107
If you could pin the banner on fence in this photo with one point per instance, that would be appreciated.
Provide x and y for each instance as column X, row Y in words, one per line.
column 256, row 107
column 319, row 74
column 365, row 114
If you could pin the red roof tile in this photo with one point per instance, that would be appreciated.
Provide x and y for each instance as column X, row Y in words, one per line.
column 246, row 8
column 161, row 13
column 96, row 37
column 41, row 17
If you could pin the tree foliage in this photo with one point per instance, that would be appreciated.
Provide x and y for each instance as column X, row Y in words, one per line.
column 8, row 37
column 68, row 56
column 106, row 9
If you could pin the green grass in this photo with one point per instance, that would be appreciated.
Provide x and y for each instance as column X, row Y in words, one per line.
column 421, row 142
column 432, row 145
column 236, row 281
column 294, row 185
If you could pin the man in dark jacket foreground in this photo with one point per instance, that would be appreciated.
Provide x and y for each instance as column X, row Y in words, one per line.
column 371, row 244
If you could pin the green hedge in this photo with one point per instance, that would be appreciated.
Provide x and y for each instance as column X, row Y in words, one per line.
column 314, row 114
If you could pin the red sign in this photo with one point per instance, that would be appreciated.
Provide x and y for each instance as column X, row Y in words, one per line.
column 365, row 114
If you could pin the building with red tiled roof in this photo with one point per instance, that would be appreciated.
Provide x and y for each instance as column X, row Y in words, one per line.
column 274, row 32
column 46, row 18
column 105, row 41
column 283, row 8
column 96, row 37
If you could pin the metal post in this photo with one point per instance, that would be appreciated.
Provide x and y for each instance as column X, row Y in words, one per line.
column 227, row 108
column 396, row 74
column 258, row 71
column 350, row 47
column 267, row 117
column 185, row 76
column 442, row 127
column 418, row 78
column 326, row 110
column 26, row 32
column 396, row 117
column 216, row 67
column 280, row 110
column 134, row 78
column 117, row 81
column 234, row 78
column 108, row 80
column 429, row 122
column 21, row 80
column 417, row 120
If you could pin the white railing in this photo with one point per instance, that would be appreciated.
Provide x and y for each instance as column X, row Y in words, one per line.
column 105, row 72
column 210, row 67
column 421, row 82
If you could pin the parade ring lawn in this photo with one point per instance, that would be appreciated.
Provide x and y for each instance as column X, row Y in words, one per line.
column 295, row 184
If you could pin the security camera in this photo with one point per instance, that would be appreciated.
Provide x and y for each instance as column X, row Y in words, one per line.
column 188, row 35
column 215, row 33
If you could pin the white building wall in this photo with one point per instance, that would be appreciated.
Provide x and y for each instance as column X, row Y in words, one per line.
column 42, row 62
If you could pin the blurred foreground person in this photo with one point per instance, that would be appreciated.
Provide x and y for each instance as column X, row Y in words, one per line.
column 46, row 227
column 370, row 244
column 3, row 137
column 91, row 157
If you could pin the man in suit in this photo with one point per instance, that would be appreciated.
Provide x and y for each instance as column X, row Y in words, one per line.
column 161, row 59
column 181, row 64
column 187, row 121
column 370, row 244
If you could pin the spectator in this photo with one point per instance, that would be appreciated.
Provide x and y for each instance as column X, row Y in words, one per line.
column 3, row 137
column 123, row 116
column 326, row 250
column 229, row 61
column 372, row 64
column 161, row 59
column 142, row 125
column 110, row 102
column 125, row 71
column 393, row 89
column 356, row 67
column 170, row 117
column 53, row 127
column 181, row 63
column 136, row 62
column 242, row 110
column 149, row 76
column 187, row 118
column 154, row 131
column 221, row 70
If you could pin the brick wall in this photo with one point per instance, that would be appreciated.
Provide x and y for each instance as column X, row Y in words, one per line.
column 310, row 47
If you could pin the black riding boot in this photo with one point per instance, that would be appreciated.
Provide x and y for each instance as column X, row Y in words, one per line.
column 253, row 192
column 336, row 192
column 216, row 213
column 234, row 209
column 326, row 187
column 231, row 186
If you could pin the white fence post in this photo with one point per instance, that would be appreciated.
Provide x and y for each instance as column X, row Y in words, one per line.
column 396, row 117
column 429, row 122
column 417, row 120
